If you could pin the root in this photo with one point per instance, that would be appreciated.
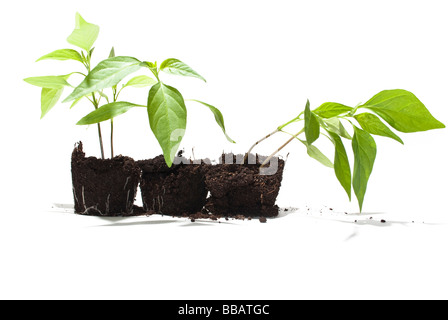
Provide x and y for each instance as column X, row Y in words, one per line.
column 74, row 194
column 107, row 204
column 126, row 184
column 129, row 204
column 83, row 198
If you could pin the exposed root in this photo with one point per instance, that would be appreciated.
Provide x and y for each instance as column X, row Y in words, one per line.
column 126, row 184
column 107, row 204
column 83, row 198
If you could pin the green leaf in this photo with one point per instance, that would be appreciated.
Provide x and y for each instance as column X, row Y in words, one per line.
column 76, row 102
column 49, row 98
column 342, row 165
column 51, row 82
column 364, row 149
column 403, row 111
column 312, row 127
column 316, row 154
column 331, row 109
column 63, row 54
column 218, row 117
column 177, row 67
column 84, row 35
column 140, row 82
column 106, row 74
column 112, row 53
column 102, row 94
column 335, row 125
column 168, row 118
column 107, row 112
column 372, row 124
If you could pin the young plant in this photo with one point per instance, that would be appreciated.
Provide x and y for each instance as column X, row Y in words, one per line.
column 400, row 109
column 165, row 107
column 83, row 37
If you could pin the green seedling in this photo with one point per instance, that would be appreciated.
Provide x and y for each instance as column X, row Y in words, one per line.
column 83, row 37
column 165, row 106
column 400, row 109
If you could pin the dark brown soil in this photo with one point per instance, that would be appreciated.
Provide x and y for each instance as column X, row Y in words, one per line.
column 176, row 191
column 104, row 187
column 239, row 189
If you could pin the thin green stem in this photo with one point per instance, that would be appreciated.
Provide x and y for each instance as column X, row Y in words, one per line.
column 352, row 113
column 79, row 73
column 101, row 141
column 279, row 149
column 296, row 119
column 111, row 138
column 118, row 93
column 86, row 62
column 115, row 97
column 100, row 136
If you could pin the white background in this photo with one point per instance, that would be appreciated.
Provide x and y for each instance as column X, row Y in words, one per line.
column 262, row 60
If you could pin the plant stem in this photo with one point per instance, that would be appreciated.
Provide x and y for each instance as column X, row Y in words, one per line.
column 296, row 119
column 95, row 104
column 279, row 149
column 111, row 138
column 101, row 141
column 115, row 98
column 258, row 142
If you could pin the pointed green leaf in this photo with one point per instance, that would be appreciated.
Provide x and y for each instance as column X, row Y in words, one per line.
column 177, row 67
column 106, row 74
column 52, row 82
column 48, row 99
column 112, row 53
column 140, row 82
column 364, row 149
column 63, row 54
column 341, row 164
column 403, row 111
column 76, row 102
column 373, row 125
column 331, row 109
column 107, row 112
column 312, row 127
column 316, row 154
column 168, row 118
column 335, row 125
column 218, row 118
column 84, row 35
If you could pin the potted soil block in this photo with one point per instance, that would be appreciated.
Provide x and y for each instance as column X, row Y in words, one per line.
column 176, row 191
column 104, row 187
column 244, row 189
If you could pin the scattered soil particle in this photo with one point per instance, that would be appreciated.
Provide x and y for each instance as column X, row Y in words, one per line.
column 263, row 219
column 104, row 187
column 383, row 221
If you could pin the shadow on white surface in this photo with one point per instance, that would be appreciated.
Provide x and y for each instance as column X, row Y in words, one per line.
column 372, row 219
